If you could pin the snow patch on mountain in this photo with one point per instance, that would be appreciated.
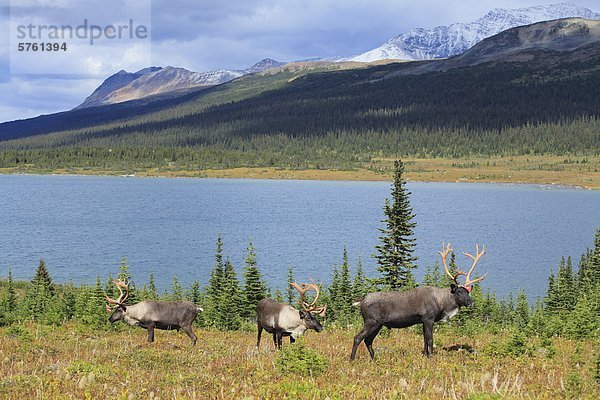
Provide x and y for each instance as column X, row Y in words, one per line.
column 447, row 41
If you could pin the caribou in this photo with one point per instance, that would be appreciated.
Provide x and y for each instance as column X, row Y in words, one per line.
column 425, row 304
column 150, row 314
column 284, row 320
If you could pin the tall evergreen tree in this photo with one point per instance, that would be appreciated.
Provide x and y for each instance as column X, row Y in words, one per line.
column 176, row 290
column 11, row 298
column 290, row 293
column 40, row 295
column 344, row 301
column 152, row 292
column 194, row 294
column 231, row 300
column 359, row 286
column 125, row 276
column 214, row 289
column 395, row 253
column 254, row 288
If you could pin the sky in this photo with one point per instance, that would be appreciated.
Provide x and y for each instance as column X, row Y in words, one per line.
column 202, row 35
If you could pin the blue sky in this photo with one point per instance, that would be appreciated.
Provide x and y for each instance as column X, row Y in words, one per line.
column 202, row 35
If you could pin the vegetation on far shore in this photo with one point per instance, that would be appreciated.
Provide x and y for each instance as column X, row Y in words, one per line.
column 579, row 171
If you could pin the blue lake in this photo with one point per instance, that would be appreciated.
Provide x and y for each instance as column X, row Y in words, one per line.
column 83, row 226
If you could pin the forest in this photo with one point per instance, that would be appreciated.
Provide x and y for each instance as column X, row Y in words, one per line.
column 329, row 119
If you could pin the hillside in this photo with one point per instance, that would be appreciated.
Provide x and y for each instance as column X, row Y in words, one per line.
column 536, row 99
column 76, row 362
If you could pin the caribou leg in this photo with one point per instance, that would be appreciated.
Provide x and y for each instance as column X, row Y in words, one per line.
column 150, row 332
column 188, row 329
column 279, row 336
column 368, row 328
column 292, row 340
column 427, row 338
column 259, row 333
column 369, row 341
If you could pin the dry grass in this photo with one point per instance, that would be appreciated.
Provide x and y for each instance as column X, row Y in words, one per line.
column 561, row 170
column 75, row 362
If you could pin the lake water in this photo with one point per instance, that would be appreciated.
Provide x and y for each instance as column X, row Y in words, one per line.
column 83, row 225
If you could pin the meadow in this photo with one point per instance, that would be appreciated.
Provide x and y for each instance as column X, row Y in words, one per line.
column 74, row 361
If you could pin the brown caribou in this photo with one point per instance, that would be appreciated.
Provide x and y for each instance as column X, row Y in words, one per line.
column 150, row 314
column 284, row 320
column 425, row 304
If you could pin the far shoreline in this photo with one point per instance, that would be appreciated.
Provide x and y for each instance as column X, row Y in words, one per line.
column 412, row 174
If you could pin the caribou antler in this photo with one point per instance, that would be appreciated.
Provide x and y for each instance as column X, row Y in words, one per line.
column 312, row 307
column 444, row 253
column 468, row 281
column 122, row 296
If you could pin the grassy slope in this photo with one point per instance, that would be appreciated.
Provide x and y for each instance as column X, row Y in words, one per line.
column 563, row 170
column 75, row 362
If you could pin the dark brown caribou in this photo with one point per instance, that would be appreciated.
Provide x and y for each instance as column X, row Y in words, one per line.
column 284, row 320
column 150, row 314
column 425, row 304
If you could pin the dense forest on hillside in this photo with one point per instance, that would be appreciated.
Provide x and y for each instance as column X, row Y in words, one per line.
column 335, row 119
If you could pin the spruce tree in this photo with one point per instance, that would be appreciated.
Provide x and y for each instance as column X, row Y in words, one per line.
column 290, row 292
column 359, row 286
column 194, row 294
column 344, row 291
column 214, row 289
column 42, row 277
column 125, row 276
column 40, row 295
column 11, row 299
column 152, row 292
column 278, row 296
column 522, row 310
column 395, row 253
column 231, row 300
column 176, row 290
column 254, row 288
column 68, row 301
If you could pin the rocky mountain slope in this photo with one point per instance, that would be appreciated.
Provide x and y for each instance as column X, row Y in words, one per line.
column 124, row 86
column 447, row 41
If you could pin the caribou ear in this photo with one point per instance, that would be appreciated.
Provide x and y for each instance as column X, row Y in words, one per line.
column 302, row 314
column 122, row 306
column 453, row 288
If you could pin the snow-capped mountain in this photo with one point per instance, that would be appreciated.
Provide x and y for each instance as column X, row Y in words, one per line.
column 447, row 41
column 124, row 86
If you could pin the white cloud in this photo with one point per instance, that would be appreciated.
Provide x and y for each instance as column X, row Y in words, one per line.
column 234, row 34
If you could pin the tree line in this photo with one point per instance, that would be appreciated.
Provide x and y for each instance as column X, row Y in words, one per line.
column 336, row 119
column 571, row 306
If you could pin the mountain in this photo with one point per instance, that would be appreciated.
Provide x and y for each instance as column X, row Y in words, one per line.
column 542, row 43
column 168, row 81
column 447, row 41
column 528, row 90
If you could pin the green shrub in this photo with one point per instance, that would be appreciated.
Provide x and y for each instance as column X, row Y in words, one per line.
column 297, row 359
column 18, row 332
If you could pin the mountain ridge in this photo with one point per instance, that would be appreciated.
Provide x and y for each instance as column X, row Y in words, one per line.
column 125, row 86
column 447, row 41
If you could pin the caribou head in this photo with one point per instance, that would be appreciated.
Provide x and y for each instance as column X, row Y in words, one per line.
column 117, row 307
column 462, row 291
column 309, row 310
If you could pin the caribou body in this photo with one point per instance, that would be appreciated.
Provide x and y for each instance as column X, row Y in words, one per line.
column 423, row 305
column 150, row 314
column 284, row 320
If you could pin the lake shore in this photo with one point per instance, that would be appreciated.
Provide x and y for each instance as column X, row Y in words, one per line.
column 582, row 172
